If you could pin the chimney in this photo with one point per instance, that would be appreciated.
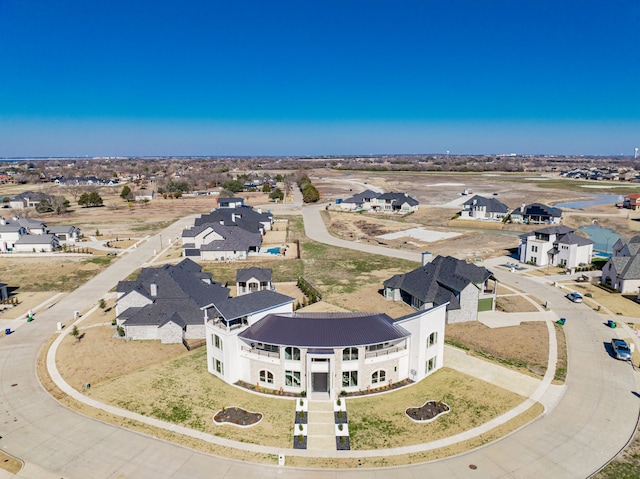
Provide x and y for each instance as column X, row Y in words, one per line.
column 153, row 287
column 427, row 257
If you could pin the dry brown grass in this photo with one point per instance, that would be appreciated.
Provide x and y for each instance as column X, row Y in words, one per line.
column 10, row 463
column 513, row 304
column 49, row 273
column 524, row 347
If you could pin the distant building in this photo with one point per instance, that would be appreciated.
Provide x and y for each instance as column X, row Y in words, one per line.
column 380, row 202
column 536, row 213
column 481, row 208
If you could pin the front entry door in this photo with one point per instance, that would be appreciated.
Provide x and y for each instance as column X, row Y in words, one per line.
column 320, row 382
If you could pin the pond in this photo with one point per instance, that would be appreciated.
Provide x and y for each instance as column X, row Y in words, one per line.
column 596, row 201
column 604, row 238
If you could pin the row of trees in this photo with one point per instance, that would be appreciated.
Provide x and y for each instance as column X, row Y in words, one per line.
column 310, row 193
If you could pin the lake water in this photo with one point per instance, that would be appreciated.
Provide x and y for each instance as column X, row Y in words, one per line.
column 597, row 200
column 604, row 238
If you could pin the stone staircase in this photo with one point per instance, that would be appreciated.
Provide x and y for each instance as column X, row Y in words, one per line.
column 321, row 433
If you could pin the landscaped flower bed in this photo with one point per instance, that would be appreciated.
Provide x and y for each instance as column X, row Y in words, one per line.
column 237, row 416
column 428, row 411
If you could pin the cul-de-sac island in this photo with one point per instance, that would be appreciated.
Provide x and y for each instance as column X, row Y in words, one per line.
column 320, row 315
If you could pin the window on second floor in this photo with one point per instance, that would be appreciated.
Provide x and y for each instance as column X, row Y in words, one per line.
column 432, row 339
column 350, row 354
column 291, row 353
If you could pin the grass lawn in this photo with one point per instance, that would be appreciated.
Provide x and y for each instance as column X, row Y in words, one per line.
column 378, row 422
column 182, row 391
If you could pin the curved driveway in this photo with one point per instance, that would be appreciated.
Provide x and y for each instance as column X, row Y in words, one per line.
column 592, row 421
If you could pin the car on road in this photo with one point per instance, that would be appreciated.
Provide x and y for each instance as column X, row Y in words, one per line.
column 575, row 297
column 621, row 349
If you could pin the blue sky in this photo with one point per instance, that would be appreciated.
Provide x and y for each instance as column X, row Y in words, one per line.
column 318, row 77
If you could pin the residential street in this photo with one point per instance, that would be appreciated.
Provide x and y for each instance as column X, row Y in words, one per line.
column 593, row 418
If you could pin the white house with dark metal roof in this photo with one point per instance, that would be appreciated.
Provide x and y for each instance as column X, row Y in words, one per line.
column 481, row 208
column 556, row 246
column 380, row 202
column 394, row 203
column 327, row 353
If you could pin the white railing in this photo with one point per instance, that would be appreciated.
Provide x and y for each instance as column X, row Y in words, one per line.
column 260, row 352
column 383, row 352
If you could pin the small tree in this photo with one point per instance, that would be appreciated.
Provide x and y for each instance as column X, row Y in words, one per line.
column 125, row 194
column 74, row 332
column 102, row 303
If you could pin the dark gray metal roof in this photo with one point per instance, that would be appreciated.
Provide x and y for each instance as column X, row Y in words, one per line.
column 492, row 205
column 261, row 274
column 324, row 330
column 246, row 304
column 398, row 198
column 572, row 238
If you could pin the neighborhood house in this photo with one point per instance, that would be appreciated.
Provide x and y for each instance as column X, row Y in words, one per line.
column 622, row 271
column 481, row 208
column 555, row 246
column 380, row 202
column 464, row 288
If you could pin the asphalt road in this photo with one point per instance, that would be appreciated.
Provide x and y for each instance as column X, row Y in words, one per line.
column 593, row 420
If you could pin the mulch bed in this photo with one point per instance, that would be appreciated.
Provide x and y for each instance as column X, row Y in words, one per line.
column 428, row 411
column 387, row 387
column 298, row 444
column 343, row 446
column 238, row 416
column 338, row 419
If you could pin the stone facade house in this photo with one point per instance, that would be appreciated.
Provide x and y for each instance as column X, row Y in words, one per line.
column 465, row 288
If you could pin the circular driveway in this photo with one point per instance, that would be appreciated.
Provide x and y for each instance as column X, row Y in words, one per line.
column 593, row 419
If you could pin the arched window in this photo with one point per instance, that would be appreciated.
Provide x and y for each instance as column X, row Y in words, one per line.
column 350, row 354
column 291, row 353
column 379, row 376
column 266, row 376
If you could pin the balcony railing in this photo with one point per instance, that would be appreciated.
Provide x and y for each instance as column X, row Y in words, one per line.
column 260, row 352
column 383, row 352
column 222, row 325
